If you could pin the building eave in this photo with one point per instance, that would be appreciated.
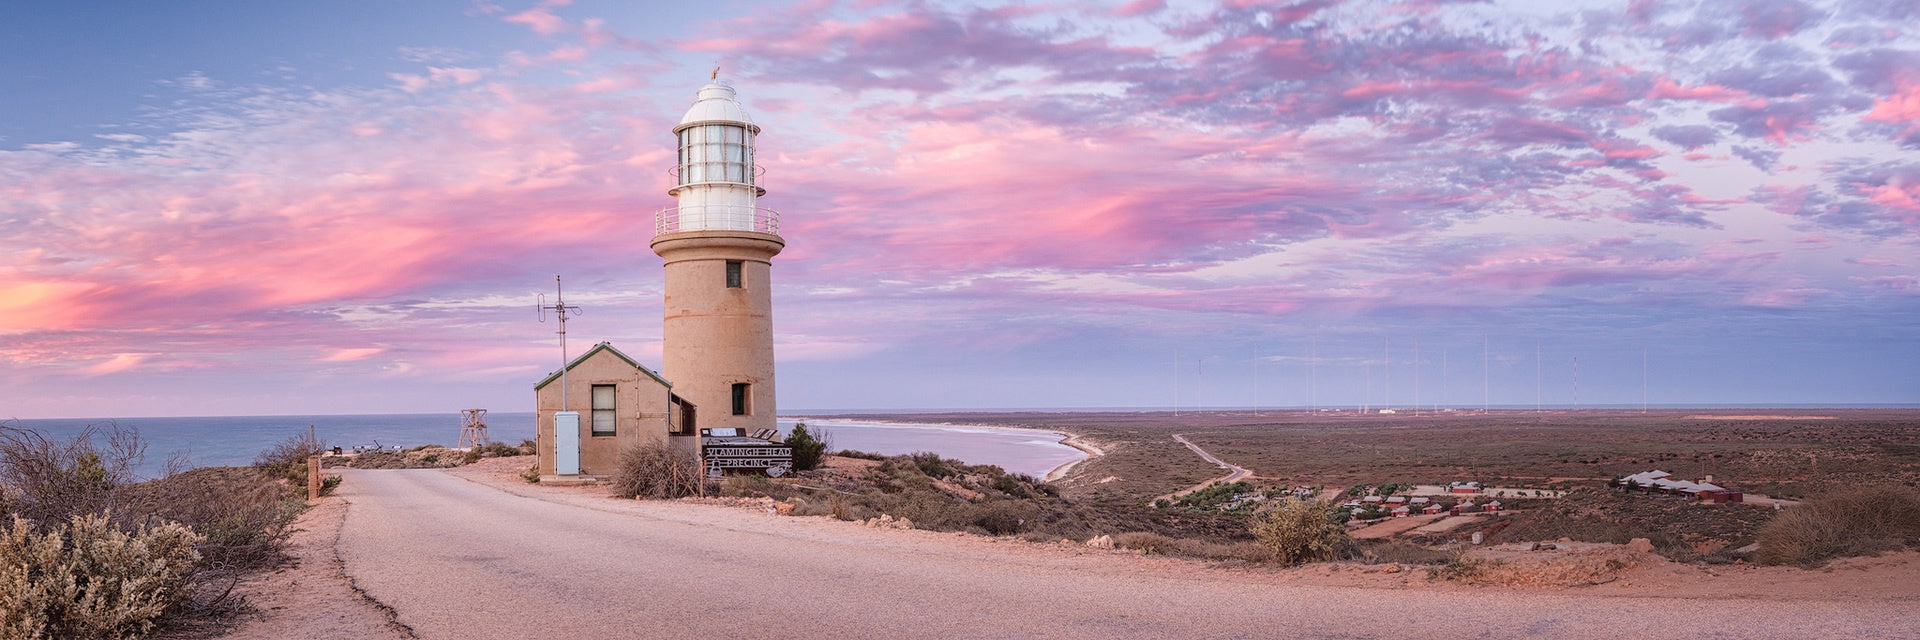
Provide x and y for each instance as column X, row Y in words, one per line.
column 608, row 347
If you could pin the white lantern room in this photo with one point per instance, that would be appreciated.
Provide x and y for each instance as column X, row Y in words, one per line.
column 716, row 181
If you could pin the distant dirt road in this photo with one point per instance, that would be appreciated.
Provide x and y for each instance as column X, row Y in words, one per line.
column 463, row 560
column 1235, row 473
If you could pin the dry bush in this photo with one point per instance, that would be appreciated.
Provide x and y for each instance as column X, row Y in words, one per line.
column 424, row 457
column 241, row 518
column 658, row 470
column 1296, row 531
column 1144, row 542
column 49, row 482
column 287, row 460
column 1568, row 570
column 1856, row 521
column 1401, row 552
column 89, row 579
column 497, row 449
column 244, row 520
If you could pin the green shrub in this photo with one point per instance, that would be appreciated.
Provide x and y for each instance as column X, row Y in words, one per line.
column 658, row 470
column 1214, row 495
column 88, row 579
column 1856, row 521
column 1296, row 531
column 931, row 464
column 807, row 450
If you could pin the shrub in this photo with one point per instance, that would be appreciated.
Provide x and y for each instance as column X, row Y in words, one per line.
column 240, row 518
column 999, row 517
column 1214, row 495
column 1401, row 552
column 497, row 449
column 1856, row 521
column 245, row 519
column 48, row 482
column 288, row 459
column 807, row 450
column 1144, row 541
column 931, row 464
column 1296, row 531
column 89, row 579
column 658, row 470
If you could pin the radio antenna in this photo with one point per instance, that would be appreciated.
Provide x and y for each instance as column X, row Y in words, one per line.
column 560, row 309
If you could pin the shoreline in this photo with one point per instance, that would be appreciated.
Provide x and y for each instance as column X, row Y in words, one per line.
column 1076, row 441
column 1067, row 438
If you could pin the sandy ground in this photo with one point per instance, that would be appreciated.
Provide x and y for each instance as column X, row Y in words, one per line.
column 316, row 599
column 1391, row 527
column 313, row 598
column 1449, row 523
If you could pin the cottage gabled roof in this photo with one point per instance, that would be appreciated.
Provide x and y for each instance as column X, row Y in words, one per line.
column 607, row 347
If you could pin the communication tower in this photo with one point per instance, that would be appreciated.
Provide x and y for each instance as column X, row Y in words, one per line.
column 473, row 428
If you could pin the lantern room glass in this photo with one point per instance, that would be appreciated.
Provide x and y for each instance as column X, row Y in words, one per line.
column 716, row 153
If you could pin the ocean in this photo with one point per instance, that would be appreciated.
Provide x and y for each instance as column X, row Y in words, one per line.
column 236, row 440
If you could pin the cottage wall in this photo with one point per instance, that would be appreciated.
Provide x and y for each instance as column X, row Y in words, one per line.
column 640, row 405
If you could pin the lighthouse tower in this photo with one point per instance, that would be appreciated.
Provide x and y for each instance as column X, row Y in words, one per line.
column 718, row 246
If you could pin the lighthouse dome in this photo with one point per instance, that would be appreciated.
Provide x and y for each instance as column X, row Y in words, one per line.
column 717, row 102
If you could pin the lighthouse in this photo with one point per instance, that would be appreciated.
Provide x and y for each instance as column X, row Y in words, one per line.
column 718, row 245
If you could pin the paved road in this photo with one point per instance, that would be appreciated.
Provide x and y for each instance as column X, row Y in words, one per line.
column 462, row 560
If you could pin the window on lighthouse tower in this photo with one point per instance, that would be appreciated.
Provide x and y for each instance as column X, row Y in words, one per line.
column 741, row 396
column 733, row 274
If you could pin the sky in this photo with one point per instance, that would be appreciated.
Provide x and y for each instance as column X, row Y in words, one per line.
column 235, row 208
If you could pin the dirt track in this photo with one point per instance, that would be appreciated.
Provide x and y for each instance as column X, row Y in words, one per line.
column 457, row 558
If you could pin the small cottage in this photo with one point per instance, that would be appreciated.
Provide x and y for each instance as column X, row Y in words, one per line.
column 620, row 404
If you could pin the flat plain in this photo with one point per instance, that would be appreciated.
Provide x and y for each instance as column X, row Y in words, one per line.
column 1782, row 453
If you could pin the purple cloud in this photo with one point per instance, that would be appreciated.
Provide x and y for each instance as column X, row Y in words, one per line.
column 1689, row 137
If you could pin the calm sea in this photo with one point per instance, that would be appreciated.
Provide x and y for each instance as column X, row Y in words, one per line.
column 236, row 440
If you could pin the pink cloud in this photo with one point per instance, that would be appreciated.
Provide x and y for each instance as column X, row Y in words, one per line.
column 1141, row 7
column 1667, row 89
column 541, row 19
column 118, row 363
column 352, row 354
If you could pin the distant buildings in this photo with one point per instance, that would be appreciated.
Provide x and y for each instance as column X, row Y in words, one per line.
column 1657, row 481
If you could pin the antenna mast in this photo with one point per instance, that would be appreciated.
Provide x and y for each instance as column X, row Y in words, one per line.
column 1576, row 382
column 560, row 309
column 1386, row 374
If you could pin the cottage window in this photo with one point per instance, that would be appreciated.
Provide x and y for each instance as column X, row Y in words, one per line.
column 604, row 416
column 733, row 274
column 740, row 397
